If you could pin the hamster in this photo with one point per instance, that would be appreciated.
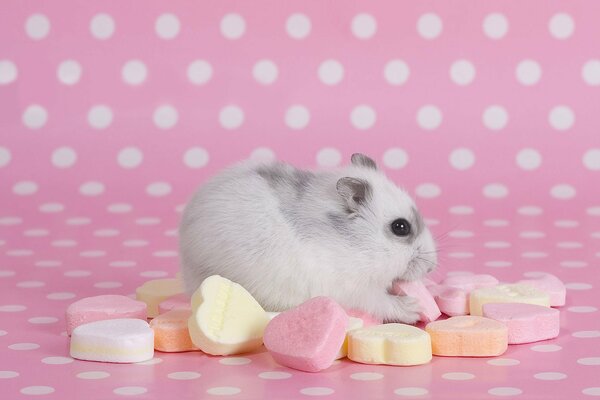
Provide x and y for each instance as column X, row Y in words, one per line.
column 287, row 235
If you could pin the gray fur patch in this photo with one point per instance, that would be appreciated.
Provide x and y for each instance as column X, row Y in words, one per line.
column 280, row 175
column 418, row 222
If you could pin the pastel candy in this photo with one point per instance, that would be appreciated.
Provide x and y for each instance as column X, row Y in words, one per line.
column 429, row 309
column 452, row 301
column 353, row 323
column 171, row 332
column 156, row 291
column 526, row 322
column 103, row 307
column 550, row 284
column 113, row 340
column 390, row 344
column 468, row 336
column 468, row 282
column 225, row 318
column 181, row 300
column 508, row 293
column 308, row 337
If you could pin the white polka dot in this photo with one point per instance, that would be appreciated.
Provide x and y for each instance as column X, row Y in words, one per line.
column 528, row 72
column 461, row 254
column 396, row 72
column 395, row 158
column 428, row 190
column 497, row 244
column 591, row 391
column 63, row 243
column 461, row 210
column 153, row 361
column 591, row 159
column 3, row 333
column 12, row 308
column 411, row 391
column 77, row 273
column 573, row 264
column 590, row 72
column 8, row 221
column 546, row 348
column 534, row 254
column 429, row 117
column 35, row 116
column 5, row 156
column 458, row 376
column 100, row 116
column 561, row 26
column 593, row 211
column 495, row 26
column 6, row 273
column 37, row 390
column 498, row 264
column 561, row 118
column 119, row 208
column 167, row 26
column 184, row 375
column 146, row 221
column 530, row 210
column 429, row 26
column 234, row 361
column 363, row 117
column 64, row 157
column 57, row 360
column 8, row 374
column 78, row 221
column 462, row 72
column 102, row 26
column 165, row 253
column 165, row 117
column 231, row 117
column 135, row 243
column 582, row 309
column 233, row 26
column 37, row 26
column 91, row 189
column 364, row 26
column 529, row 159
column 48, row 264
column 93, row 375
column 130, row 157
column 505, row 391
column 366, row 376
column 569, row 245
column 224, row 390
column 329, row 157
column 24, row 346
column 532, row 235
column 578, row 286
column 130, row 390
column 589, row 361
column 563, row 192
column 263, row 154
column 158, row 189
column 8, row 72
column 69, row 72
column 274, row 375
column 60, row 296
column 316, row 391
column 25, row 188
column 566, row 223
column 108, row 285
column 298, row 26
column 195, row 157
column 495, row 191
column 550, row 376
column 134, row 72
column 297, row 117
column 495, row 117
column 19, row 253
column 586, row 334
column 331, row 72
column 265, row 72
column 31, row 284
column 462, row 159
column 199, row 72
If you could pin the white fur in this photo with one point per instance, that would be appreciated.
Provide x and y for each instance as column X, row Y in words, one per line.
column 278, row 243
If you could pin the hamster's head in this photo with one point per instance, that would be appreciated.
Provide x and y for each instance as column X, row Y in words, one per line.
column 383, row 223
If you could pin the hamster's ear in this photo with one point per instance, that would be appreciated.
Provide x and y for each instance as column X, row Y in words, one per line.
column 354, row 191
column 360, row 160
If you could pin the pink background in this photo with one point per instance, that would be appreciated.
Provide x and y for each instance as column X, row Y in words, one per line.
column 488, row 112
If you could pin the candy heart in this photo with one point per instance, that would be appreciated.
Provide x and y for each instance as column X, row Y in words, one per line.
column 468, row 283
column 526, row 322
column 179, row 301
column 512, row 293
column 225, row 318
column 550, row 284
column 156, row 291
column 309, row 336
column 417, row 289
column 171, row 333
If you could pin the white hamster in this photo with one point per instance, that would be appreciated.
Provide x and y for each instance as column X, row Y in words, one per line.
column 287, row 235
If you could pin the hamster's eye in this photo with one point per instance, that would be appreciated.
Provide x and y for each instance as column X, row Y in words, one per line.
column 401, row 227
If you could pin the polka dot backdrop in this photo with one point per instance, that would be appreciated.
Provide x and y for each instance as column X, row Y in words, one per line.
column 111, row 113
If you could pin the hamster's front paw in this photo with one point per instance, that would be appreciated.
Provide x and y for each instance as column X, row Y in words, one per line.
column 407, row 310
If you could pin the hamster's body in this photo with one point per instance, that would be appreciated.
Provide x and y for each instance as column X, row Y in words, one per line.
column 287, row 235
